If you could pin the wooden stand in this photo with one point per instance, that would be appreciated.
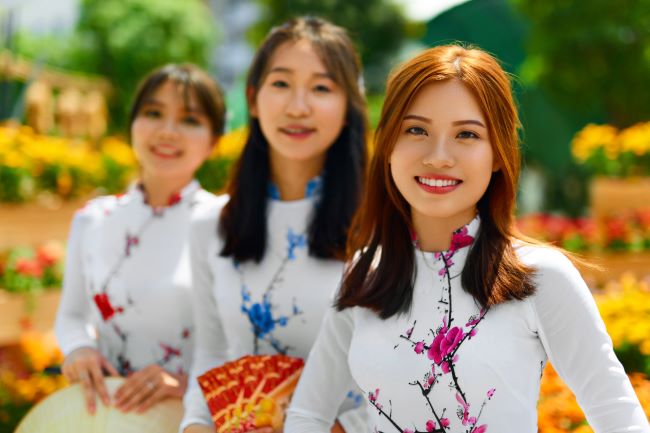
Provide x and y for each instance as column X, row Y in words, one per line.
column 34, row 224
column 613, row 266
column 26, row 311
column 610, row 196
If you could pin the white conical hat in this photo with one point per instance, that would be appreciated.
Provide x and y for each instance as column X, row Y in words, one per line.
column 65, row 412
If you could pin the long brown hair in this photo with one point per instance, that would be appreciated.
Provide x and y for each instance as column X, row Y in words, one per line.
column 493, row 273
column 243, row 219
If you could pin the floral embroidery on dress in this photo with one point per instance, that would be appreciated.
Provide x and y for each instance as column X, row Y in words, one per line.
column 102, row 298
column 442, row 351
column 261, row 314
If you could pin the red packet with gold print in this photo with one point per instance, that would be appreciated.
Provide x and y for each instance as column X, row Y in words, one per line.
column 251, row 392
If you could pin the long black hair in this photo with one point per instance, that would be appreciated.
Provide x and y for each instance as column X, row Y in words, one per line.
column 243, row 220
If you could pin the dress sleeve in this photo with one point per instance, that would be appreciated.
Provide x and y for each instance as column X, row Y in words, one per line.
column 325, row 380
column 576, row 341
column 210, row 347
column 73, row 324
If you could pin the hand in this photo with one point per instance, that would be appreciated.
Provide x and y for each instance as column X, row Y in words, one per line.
column 147, row 387
column 199, row 428
column 337, row 427
column 86, row 365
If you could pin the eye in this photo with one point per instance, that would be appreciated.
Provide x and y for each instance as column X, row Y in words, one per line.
column 416, row 130
column 279, row 84
column 152, row 113
column 322, row 88
column 191, row 120
column 467, row 135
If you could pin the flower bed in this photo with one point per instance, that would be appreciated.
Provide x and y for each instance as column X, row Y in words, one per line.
column 27, row 299
column 33, row 165
column 605, row 151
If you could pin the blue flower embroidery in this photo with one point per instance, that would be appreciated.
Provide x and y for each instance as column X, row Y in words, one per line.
column 314, row 188
column 294, row 241
column 355, row 397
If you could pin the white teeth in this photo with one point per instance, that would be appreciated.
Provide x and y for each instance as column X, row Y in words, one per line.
column 166, row 151
column 437, row 182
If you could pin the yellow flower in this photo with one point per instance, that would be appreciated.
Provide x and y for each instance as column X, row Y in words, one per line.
column 636, row 139
column 231, row 144
column 118, row 151
column 591, row 138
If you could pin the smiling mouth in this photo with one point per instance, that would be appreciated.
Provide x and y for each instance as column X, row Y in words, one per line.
column 438, row 183
column 298, row 131
column 166, row 152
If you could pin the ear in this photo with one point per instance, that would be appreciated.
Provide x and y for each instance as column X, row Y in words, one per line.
column 250, row 99
column 496, row 166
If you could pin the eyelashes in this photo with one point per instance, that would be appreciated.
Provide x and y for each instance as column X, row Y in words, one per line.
column 462, row 135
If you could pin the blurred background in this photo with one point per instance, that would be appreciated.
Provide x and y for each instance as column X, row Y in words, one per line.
column 68, row 69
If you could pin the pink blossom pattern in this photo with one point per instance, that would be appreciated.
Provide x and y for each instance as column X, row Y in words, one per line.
column 444, row 343
column 442, row 351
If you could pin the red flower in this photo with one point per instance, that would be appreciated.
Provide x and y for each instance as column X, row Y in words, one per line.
column 49, row 254
column 444, row 343
column 29, row 268
column 105, row 307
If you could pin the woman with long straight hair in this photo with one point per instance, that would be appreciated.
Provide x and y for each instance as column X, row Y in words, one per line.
column 268, row 259
column 128, row 260
column 447, row 316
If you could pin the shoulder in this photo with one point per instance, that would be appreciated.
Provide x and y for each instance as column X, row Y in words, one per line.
column 555, row 275
column 205, row 218
column 208, row 207
column 97, row 208
column 546, row 260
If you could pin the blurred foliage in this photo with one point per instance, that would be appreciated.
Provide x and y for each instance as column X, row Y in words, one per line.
column 125, row 39
column 591, row 55
column 377, row 27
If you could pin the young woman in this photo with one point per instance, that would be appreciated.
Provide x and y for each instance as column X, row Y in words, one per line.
column 126, row 304
column 267, row 260
column 447, row 316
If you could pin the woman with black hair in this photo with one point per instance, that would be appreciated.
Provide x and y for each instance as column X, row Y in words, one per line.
column 109, row 316
column 267, row 259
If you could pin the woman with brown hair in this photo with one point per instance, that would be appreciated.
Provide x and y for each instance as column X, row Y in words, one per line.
column 447, row 316
column 267, row 259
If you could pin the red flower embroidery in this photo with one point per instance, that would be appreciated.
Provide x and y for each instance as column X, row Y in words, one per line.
column 174, row 199
column 131, row 241
column 105, row 307
column 186, row 334
column 170, row 352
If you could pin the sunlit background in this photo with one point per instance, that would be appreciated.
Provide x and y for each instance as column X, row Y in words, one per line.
column 68, row 69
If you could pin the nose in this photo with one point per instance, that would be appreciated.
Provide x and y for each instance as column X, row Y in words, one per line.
column 168, row 128
column 439, row 155
column 298, row 105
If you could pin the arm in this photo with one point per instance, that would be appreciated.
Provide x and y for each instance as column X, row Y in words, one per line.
column 73, row 315
column 210, row 348
column 577, row 343
column 325, row 379
column 83, row 362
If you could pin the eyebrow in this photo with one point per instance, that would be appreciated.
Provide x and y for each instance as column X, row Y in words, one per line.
column 455, row 123
column 290, row 71
column 188, row 108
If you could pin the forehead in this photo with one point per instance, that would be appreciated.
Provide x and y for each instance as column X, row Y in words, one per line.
column 449, row 99
column 173, row 92
column 298, row 57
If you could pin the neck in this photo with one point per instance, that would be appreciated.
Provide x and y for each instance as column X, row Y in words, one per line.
column 291, row 177
column 434, row 233
column 160, row 189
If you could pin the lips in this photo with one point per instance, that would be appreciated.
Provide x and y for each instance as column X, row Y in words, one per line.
column 438, row 184
column 166, row 151
column 297, row 131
